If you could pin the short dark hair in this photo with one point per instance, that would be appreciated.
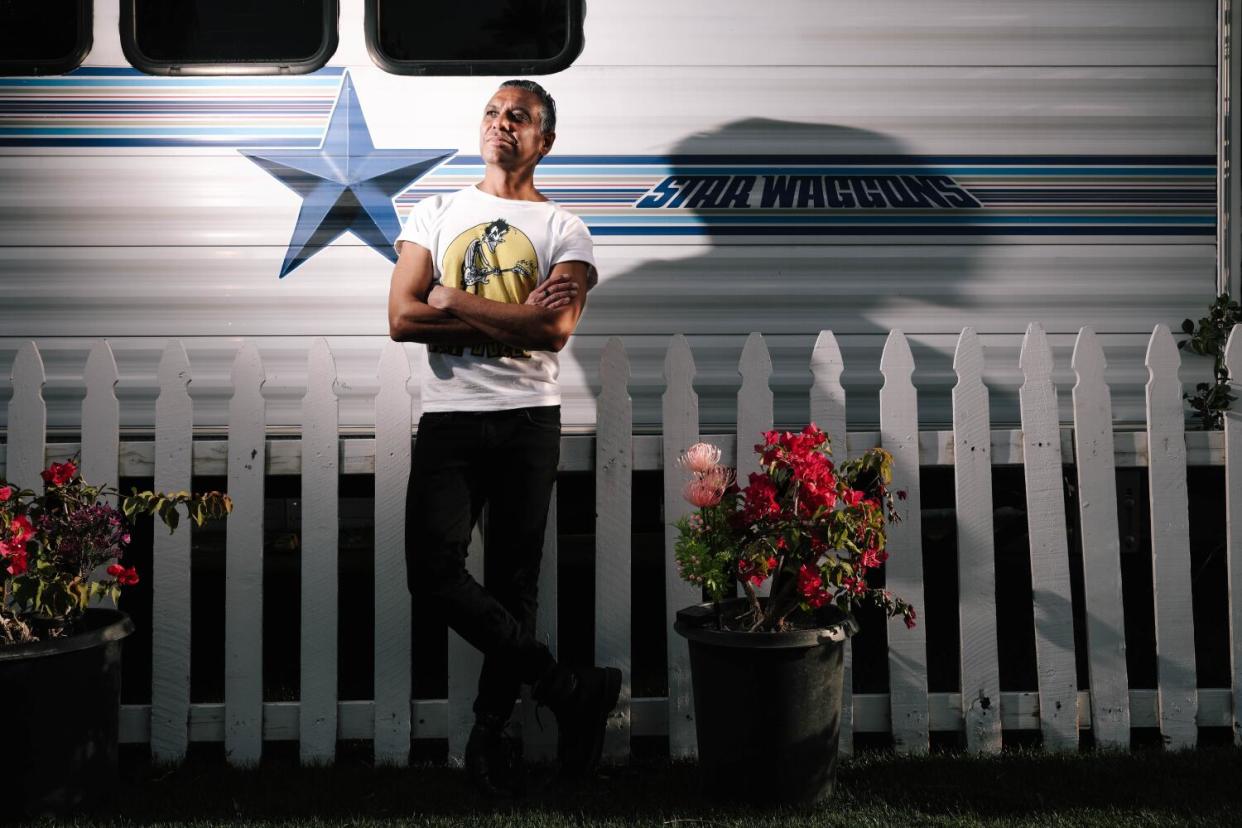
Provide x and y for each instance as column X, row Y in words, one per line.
column 547, row 106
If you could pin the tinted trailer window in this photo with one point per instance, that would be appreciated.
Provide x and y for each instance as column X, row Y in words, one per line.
column 228, row 36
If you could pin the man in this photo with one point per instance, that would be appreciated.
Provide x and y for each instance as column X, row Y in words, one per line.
column 493, row 278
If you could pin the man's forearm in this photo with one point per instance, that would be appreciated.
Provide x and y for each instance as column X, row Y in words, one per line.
column 422, row 323
column 522, row 326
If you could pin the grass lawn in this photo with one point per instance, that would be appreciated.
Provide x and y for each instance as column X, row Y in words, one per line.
column 1022, row 787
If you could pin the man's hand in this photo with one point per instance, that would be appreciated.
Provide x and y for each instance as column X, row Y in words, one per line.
column 556, row 292
column 410, row 318
column 440, row 297
column 544, row 322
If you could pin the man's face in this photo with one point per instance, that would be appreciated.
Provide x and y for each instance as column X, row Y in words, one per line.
column 494, row 237
column 509, row 136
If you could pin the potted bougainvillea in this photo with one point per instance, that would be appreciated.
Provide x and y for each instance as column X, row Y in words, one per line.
column 62, row 551
column 767, row 669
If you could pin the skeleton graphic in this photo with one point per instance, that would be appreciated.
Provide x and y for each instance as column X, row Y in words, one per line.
column 477, row 270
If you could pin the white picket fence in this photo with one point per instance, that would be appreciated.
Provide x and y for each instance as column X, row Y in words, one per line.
column 244, row 721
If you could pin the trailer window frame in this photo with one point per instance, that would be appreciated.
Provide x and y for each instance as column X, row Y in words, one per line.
column 62, row 65
column 576, row 10
column 151, row 66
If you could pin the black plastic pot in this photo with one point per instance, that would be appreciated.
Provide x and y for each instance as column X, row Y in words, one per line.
column 767, row 706
column 62, row 700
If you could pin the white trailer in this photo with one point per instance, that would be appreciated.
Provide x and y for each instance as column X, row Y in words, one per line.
column 781, row 168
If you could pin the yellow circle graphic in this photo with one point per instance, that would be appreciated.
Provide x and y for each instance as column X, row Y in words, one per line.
column 494, row 260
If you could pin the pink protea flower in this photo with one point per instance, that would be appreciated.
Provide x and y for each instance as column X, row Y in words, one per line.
column 720, row 476
column 699, row 458
column 707, row 488
column 701, row 492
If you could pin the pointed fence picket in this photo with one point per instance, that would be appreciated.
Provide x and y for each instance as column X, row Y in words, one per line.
column 681, row 429
column 1170, row 543
column 170, row 564
column 101, row 418
column 754, row 402
column 976, row 553
column 243, row 579
column 614, row 470
column 1050, row 580
column 27, row 420
column 1101, row 546
column 101, row 432
column 243, row 722
column 320, row 509
column 828, row 412
column 907, row 648
column 393, row 684
column 754, row 415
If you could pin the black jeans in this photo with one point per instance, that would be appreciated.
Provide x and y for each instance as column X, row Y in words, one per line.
column 462, row 460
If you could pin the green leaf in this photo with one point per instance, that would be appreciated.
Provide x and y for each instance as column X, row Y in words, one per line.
column 80, row 593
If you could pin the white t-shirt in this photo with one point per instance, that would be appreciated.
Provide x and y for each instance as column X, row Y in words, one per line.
column 499, row 249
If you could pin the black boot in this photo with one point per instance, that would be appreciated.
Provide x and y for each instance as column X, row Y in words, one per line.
column 493, row 758
column 581, row 700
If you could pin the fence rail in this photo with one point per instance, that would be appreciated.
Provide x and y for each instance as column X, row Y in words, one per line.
column 980, row 710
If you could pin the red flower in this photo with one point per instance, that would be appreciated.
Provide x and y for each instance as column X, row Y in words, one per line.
column 17, row 558
column 853, row 497
column 124, row 576
column 760, row 498
column 58, row 474
column 5, row 493
column 909, row 618
column 855, row 585
column 818, row 493
column 820, row 598
column 21, row 528
column 808, row 581
column 871, row 557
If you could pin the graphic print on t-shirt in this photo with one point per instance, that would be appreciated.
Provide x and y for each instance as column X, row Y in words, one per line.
column 496, row 261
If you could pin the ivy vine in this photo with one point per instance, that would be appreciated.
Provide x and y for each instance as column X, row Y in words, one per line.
column 1211, row 400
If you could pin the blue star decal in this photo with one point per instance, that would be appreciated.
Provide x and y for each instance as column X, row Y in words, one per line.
column 346, row 184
